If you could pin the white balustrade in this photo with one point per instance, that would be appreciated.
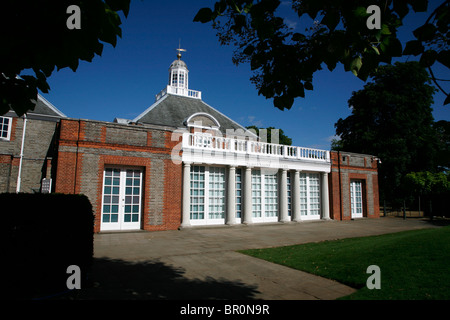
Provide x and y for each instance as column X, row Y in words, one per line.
column 180, row 92
column 206, row 141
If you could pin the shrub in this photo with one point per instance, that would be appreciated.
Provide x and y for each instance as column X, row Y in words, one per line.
column 45, row 233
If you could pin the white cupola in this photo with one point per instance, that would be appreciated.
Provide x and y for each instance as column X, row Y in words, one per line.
column 178, row 72
column 179, row 80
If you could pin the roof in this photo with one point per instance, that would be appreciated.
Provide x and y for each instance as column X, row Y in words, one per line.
column 173, row 110
column 42, row 110
column 46, row 108
column 178, row 63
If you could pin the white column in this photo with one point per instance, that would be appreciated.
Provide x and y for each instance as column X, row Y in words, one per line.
column 324, row 194
column 295, row 197
column 284, row 217
column 186, row 213
column 231, row 196
column 247, row 212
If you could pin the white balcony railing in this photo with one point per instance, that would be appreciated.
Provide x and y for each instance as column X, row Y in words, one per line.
column 202, row 141
column 180, row 92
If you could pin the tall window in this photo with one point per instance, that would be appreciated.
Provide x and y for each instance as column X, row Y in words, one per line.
column 197, row 192
column 356, row 198
column 256, row 193
column 181, row 79
column 314, row 194
column 289, row 190
column 216, row 193
column 310, row 194
column 271, row 195
column 174, row 79
column 303, row 194
column 5, row 128
column 238, row 193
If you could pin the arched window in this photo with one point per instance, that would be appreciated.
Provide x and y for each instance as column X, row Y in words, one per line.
column 202, row 120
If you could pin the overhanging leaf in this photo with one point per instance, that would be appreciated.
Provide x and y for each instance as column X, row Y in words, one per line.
column 428, row 58
column 355, row 65
column 444, row 58
column 419, row 5
column 425, row 32
column 413, row 47
column 203, row 15
column 308, row 85
column 283, row 102
column 331, row 19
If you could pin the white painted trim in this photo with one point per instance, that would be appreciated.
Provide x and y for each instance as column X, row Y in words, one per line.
column 120, row 224
column 19, row 176
column 188, row 119
column 8, row 134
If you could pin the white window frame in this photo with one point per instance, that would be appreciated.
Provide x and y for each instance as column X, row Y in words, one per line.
column 310, row 196
column 239, row 194
column 207, row 218
column 121, row 202
column 356, row 199
column 8, row 130
column 197, row 200
column 261, row 196
column 216, row 194
column 289, row 192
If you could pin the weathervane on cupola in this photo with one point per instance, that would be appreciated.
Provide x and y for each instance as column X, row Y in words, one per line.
column 180, row 50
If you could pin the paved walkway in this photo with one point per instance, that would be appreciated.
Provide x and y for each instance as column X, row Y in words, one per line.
column 202, row 263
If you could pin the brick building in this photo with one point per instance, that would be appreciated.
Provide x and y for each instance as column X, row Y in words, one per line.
column 181, row 163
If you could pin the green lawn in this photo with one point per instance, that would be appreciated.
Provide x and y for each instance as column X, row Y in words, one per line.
column 413, row 264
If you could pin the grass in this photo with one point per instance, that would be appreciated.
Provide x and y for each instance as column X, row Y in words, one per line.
column 414, row 264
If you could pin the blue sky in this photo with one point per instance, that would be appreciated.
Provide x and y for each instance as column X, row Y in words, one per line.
column 123, row 82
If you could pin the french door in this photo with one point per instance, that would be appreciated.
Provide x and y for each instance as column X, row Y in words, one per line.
column 121, row 199
column 207, row 195
column 356, row 198
column 264, row 196
column 310, row 196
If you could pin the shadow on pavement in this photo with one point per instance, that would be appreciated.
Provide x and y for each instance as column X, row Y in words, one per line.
column 121, row 280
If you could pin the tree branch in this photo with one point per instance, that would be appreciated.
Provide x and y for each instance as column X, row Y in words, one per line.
column 435, row 81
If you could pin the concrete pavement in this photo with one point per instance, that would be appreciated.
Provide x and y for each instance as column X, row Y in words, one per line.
column 202, row 263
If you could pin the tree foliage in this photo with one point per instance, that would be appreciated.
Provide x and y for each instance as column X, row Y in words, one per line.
column 392, row 119
column 427, row 183
column 284, row 61
column 442, row 128
column 35, row 40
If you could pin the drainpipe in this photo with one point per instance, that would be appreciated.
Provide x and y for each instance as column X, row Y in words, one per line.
column 19, row 176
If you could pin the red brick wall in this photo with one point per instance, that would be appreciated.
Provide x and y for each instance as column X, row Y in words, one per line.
column 83, row 155
column 354, row 167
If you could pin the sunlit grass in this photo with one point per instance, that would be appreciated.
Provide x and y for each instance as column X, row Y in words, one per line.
column 413, row 264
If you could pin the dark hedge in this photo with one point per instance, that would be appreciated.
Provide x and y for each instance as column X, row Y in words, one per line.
column 45, row 233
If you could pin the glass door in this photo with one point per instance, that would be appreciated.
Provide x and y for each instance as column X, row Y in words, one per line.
column 356, row 198
column 122, row 199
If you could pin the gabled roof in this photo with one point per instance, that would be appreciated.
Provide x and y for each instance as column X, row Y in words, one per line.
column 43, row 107
column 42, row 110
column 173, row 110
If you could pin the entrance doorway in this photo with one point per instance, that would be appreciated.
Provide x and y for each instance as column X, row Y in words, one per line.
column 122, row 198
column 356, row 198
